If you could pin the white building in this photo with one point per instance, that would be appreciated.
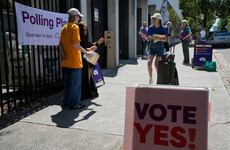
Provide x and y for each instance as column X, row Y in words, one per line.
column 123, row 17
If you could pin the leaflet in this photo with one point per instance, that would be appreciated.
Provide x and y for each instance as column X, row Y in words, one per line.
column 93, row 59
column 159, row 36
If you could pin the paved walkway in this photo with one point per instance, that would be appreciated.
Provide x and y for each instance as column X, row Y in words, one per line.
column 100, row 126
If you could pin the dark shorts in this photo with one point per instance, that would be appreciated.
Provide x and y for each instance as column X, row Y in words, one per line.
column 156, row 49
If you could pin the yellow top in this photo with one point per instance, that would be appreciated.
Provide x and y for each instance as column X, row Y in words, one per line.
column 70, row 32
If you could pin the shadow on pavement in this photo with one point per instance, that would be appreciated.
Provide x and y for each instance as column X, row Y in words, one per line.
column 221, row 47
column 129, row 62
column 10, row 119
column 64, row 118
column 109, row 72
column 113, row 72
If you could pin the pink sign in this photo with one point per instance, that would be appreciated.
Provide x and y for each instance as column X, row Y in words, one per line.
column 166, row 118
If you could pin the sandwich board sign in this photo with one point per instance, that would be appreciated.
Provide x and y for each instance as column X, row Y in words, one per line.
column 166, row 118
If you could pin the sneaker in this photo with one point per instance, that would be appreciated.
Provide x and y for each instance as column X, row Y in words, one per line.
column 144, row 57
column 150, row 80
column 78, row 106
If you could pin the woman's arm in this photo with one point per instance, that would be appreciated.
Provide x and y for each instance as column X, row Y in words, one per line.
column 101, row 40
column 190, row 33
column 156, row 38
column 142, row 35
column 164, row 39
column 96, row 44
column 92, row 48
column 78, row 46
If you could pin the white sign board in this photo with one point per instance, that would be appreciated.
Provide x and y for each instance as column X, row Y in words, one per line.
column 38, row 27
column 166, row 118
column 96, row 15
column 164, row 12
column 202, row 16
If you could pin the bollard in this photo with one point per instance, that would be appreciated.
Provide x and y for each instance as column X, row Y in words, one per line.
column 110, row 57
column 109, row 42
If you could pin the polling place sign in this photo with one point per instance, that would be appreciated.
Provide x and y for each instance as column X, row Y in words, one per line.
column 166, row 118
column 38, row 27
column 202, row 53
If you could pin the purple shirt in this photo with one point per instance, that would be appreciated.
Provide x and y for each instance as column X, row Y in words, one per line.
column 184, row 32
column 144, row 30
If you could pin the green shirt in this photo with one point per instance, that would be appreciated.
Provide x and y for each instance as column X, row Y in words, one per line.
column 187, row 30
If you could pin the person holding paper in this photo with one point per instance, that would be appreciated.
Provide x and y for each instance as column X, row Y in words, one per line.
column 157, row 34
column 144, row 42
column 72, row 60
column 88, row 83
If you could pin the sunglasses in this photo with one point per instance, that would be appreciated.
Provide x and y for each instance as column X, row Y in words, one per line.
column 85, row 29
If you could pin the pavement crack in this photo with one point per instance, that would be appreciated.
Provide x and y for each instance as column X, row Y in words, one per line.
column 220, row 123
column 227, row 122
column 71, row 128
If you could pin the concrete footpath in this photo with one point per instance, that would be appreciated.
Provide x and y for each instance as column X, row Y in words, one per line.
column 100, row 126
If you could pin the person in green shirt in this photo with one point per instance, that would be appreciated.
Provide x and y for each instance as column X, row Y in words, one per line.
column 185, row 38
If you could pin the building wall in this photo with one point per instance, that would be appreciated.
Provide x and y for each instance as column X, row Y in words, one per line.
column 144, row 5
column 113, row 25
column 86, row 11
column 83, row 10
column 157, row 3
column 151, row 11
column 132, row 29
column 123, row 29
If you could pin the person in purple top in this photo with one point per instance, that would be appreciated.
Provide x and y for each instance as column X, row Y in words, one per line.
column 157, row 34
column 144, row 42
column 185, row 38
